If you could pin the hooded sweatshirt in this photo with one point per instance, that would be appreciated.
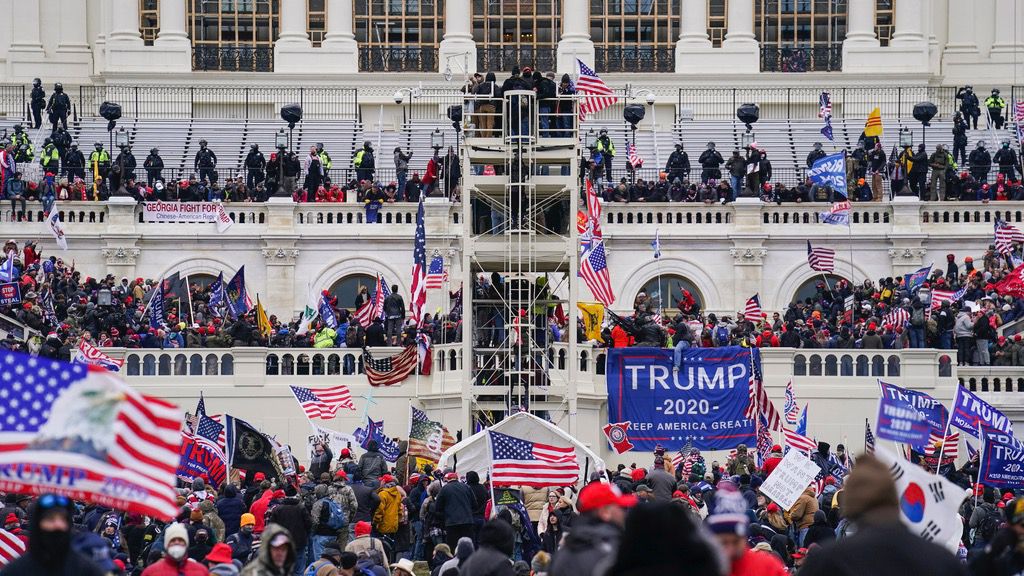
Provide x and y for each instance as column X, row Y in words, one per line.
column 263, row 565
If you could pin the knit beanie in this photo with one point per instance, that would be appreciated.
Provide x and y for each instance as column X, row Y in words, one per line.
column 175, row 531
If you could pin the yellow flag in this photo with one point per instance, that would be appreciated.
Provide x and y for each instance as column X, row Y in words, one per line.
column 593, row 316
column 262, row 322
column 873, row 126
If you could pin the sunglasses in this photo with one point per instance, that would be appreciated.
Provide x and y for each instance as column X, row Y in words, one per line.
column 52, row 500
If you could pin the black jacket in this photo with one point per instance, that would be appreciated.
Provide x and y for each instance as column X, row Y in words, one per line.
column 589, row 542
column 255, row 160
column 292, row 515
column 980, row 158
column 455, row 504
column 710, row 159
column 882, row 550
column 372, row 466
column 205, row 158
column 375, row 335
column 487, row 561
column 153, row 162
column 74, row 565
column 367, row 501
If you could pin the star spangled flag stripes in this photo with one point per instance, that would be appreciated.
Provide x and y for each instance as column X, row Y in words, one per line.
column 869, row 438
column 519, row 462
column 89, row 354
column 374, row 307
column 898, row 317
column 798, row 441
column 593, row 211
column 950, row 444
column 1006, row 236
column 79, row 428
column 821, row 259
column 940, row 296
column 218, row 296
column 392, row 369
column 436, row 274
column 594, row 270
column 790, row 408
column 418, row 296
column 324, row 403
column 764, row 440
column 11, row 547
column 596, row 94
column 752, row 309
column 633, row 156
column 427, row 439
column 757, row 396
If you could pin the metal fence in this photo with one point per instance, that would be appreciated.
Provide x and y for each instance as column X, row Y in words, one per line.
column 397, row 59
column 253, row 103
column 776, row 58
column 635, row 59
column 801, row 102
column 233, row 58
column 14, row 101
column 504, row 58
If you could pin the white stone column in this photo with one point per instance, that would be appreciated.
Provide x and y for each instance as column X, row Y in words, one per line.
column 740, row 52
column 339, row 45
column 72, row 28
column 25, row 33
column 458, row 42
column 125, row 29
column 693, row 24
column 960, row 28
column 293, row 23
column 1007, row 36
column 860, row 24
column 173, row 31
column 909, row 17
column 741, row 23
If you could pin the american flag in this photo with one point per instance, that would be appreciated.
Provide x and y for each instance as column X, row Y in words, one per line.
column 950, row 446
column 821, row 259
column 1019, row 118
column 436, row 273
column 89, row 354
column 940, row 296
column 518, row 462
column 634, row 157
column 757, row 397
column 71, row 420
column 824, row 105
column 193, row 421
column 897, row 317
column 418, row 297
column 798, row 441
column 681, row 456
column 869, row 438
column 1006, row 236
column 752, row 309
column 391, row 369
column 594, row 211
column 324, row 403
column 11, row 547
column 764, row 440
column 594, row 270
column 596, row 94
column 210, row 433
column 416, row 446
column 790, row 407
column 374, row 307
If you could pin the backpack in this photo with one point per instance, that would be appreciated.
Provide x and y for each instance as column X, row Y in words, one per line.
column 722, row 335
column 988, row 526
column 917, row 318
column 313, row 568
column 336, row 515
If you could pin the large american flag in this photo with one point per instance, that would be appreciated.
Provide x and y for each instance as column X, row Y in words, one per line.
column 11, row 547
column 897, row 317
column 418, row 297
column 323, row 403
column 634, row 157
column 798, row 441
column 940, row 296
column 211, row 433
column 594, row 270
column 869, row 438
column 1019, row 118
column 391, row 369
column 374, row 307
column 593, row 211
column 518, row 462
column 821, row 259
column 68, row 420
column 436, row 273
column 1006, row 236
column 752, row 309
column 790, row 407
column 596, row 94
column 757, row 398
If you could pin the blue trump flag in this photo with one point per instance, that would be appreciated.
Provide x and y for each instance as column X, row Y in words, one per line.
column 830, row 170
column 238, row 298
column 915, row 280
column 702, row 403
column 934, row 413
column 1002, row 463
column 156, row 309
column 375, row 431
column 327, row 313
column 217, row 295
column 970, row 412
column 900, row 421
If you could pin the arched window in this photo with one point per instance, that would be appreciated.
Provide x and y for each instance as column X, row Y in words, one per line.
column 667, row 290
column 202, row 280
column 811, row 286
column 348, row 287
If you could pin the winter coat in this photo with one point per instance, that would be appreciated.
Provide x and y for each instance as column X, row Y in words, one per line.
column 263, row 565
column 820, row 532
column 388, row 513
column 883, row 550
column 168, row 567
column 321, row 463
column 259, row 509
column 662, row 484
column 372, row 466
column 74, row 565
column 292, row 515
column 803, row 509
column 364, row 543
column 241, row 545
column 230, row 509
column 587, row 545
column 455, row 504
column 213, row 521
column 534, row 499
column 366, row 500
column 487, row 561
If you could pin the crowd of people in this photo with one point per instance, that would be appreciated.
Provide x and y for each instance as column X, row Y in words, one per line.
column 361, row 516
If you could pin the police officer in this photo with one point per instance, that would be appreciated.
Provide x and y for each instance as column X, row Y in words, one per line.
column 62, row 140
column 710, row 162
column 364, row 162
column 325, row 160
column 959, row 138
column 50, row 157
column 99, row 160
column 154, row 166
column 206, row 163
column 678, row 165
column 980, row 162
column 607, row 150
column 38, row 103
column 126, row 162
column 74, row 163
column 23, row 151
column 815, row 155
column 969, row 105
column 1007, row 160
column 995, row 105
column 255, row 167
column 58, row 107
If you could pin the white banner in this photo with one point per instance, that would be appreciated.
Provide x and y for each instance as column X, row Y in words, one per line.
column 789, row 480
column 336, row 440
column 187, row 212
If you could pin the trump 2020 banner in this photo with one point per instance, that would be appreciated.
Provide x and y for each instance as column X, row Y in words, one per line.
column 830, row 170
column 702, row 403
column 1002, row 463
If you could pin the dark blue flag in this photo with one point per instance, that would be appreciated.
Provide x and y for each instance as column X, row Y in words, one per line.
column 830, row 170
column 1002, row 463
column 899, row 421
column 375, row 431
column 156, row 309
column 217, row 295
column 915, row 280
column 327, row 313
column 238, row 298
column 970, row 412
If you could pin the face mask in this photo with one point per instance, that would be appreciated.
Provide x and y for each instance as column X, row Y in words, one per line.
column 247, row 529
column 177, row 551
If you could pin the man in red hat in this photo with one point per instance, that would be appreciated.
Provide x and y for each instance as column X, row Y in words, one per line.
column 773, row 460
column 596, row 533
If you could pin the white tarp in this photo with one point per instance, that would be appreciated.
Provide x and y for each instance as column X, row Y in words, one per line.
column 473, row 454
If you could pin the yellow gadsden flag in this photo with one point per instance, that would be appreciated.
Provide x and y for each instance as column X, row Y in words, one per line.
column 593, row 316
column 873, row 126
column 262, row 322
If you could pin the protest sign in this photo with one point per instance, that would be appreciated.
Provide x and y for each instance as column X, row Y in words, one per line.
column 789, row 480
column 187, row 212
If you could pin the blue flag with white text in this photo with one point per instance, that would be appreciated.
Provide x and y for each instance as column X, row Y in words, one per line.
column 830, row 170
column 327, row 313
column 970, row 411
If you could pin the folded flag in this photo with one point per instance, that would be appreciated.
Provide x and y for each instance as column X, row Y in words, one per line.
column 391, row 369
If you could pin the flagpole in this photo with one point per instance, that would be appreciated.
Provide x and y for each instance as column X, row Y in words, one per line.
column 867, row 423
column 490, row 470
column 825, row 278
column 981, row 456
column 188, row 292
column 407, row 456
